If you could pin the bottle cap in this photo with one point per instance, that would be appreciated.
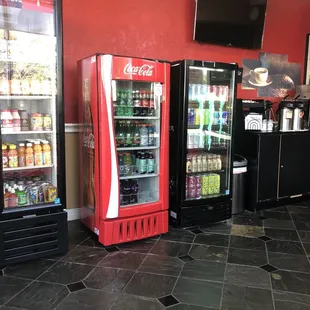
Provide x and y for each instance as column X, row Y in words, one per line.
column 12, row 147
column 21, row 144
column 12, row 191
column 20, row 188
column 29, row 145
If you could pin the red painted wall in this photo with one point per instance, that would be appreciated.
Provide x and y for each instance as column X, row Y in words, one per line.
column 164, row 30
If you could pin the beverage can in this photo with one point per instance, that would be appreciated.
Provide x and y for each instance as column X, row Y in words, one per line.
column 217, row 183
column 198, row 180
column 206, row 118
column 224, row 118
column 205, row 185
column 194, row 164
column 192, row 193
column 199, row 163
column 191, row 180
column 191, row 117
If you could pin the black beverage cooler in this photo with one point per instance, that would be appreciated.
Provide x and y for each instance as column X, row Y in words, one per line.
column 33, row 219
column 201, row 126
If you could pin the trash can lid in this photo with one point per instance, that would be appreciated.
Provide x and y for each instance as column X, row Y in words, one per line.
column 239, row 161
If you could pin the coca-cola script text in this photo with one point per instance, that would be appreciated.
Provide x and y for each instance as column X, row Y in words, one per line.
column 145, row 70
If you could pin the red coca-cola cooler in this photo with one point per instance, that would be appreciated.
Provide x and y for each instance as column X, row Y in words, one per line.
column 124, row 147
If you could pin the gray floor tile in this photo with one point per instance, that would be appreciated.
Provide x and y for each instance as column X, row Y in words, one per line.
column 220, row 228
column 66, row 273
column 281, row 234
column 304, row 235
column 169, row 266
column 302, row 225
column 189, row 307
column 108, row 279
column 204, row 270
column 150, row 285
column 179, row 235
column 285, row 216
column 285, row 247
column 28, row 270
column 124, row 260
column 135, row 303
column 85, row 255
column 291, row 301
column 198, row 292
column 38, row 296
column 247, row 220
column 212, row 239
column 272, row 223
column 247, row 257
column 167, row 248
column 300, row 217
column 209, row 252
column 88, row 299
column 291, row 281
column 247, row 243
column 289, row 262
column 307, row 248
column 10, row 287
column 247, row 276
column 141, row 246
column 299, row 209
column 242, row 297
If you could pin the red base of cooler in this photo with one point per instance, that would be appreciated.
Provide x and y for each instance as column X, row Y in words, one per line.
column 133, row 228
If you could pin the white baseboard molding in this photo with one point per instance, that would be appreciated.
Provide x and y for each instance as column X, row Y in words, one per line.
column 73, row 214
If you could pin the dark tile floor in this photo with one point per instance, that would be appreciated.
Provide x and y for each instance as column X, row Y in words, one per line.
column 254, row 261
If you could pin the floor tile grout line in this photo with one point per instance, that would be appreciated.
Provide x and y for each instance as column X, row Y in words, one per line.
column 225, row 271
column 300, row 239
column 31, row 282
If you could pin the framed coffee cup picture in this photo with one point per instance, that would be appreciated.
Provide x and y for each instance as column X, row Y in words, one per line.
column 307, row 61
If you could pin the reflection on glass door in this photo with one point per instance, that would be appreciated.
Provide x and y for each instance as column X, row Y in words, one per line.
column 209, row 129
column 137, row 132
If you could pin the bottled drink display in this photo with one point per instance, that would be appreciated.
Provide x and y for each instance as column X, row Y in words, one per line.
column 134, row 103
column 202, row 139
column 23, row 190
column 135, row 134
column 27, row 154
column 203, row 162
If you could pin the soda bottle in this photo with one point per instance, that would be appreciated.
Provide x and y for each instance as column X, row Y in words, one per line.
column 127, row 164
column 120, row 135
column 142, row 164
column 151, row 105
column 150, row 163
column 126, row 192
column 144, row 136
column 136, row 135
column 129, row 109
column 128, row 135
column 151, row 133
column 134, row 188
column 121, row 164
column 138, row 162
column 21, row 196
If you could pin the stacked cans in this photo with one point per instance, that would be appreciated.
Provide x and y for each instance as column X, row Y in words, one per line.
column 204, row 185
column 210, row 92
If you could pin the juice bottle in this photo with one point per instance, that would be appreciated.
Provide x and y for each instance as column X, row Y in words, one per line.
column 29, row 155
column 5, row 160
column 21, row 196
column 6, row 199
column 21, row 155
column 13, row 156
column 37, row 149
column 46, row 154
column 13, row 202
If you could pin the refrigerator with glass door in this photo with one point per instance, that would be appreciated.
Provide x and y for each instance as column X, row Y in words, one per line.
column 33, row 219
column 124, row 147
column 201, row 132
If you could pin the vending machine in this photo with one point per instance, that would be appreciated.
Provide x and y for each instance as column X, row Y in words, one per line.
column 33, row 218
column 201, row 133
column 124, row 147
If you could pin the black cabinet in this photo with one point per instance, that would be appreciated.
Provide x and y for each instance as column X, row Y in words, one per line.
column 278, row 167
column 294, row 177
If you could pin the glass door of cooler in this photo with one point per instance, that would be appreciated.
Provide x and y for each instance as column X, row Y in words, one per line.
column 28, row 104
column 137, row 111
column 209, row 132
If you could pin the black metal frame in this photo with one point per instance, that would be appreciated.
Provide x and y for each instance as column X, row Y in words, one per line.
column 306, row 57
column 28, row 217
column 181, row 135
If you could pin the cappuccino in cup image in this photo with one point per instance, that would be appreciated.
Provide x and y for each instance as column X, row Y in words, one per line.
column 260, row 75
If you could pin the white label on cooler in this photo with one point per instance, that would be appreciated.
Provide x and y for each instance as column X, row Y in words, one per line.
column 173, row 214
column 158, row 89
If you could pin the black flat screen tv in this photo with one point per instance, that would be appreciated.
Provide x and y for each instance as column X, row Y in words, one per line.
column 238, row 23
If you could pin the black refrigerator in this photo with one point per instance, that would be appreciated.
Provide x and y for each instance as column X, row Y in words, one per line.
column 33, row 218
column 201, row 126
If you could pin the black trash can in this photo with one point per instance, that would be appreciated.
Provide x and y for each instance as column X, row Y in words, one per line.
column 239, row 174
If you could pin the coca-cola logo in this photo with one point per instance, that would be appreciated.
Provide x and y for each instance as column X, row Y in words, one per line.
column 144, row 70
column 89, row 141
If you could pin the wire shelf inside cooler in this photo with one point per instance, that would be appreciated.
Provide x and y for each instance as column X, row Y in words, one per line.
column 132, row 172
column 143, row 197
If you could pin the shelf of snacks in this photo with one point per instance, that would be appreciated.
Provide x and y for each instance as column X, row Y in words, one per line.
column 27, row 168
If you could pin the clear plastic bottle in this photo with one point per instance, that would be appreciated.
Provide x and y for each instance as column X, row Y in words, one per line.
column 29, row 155
column 219, row 162
column 46, row 154
column 144, row 136
column 194, row 164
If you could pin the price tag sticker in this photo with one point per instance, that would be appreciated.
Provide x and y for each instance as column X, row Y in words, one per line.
column 158, row 89
column 57, row 201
